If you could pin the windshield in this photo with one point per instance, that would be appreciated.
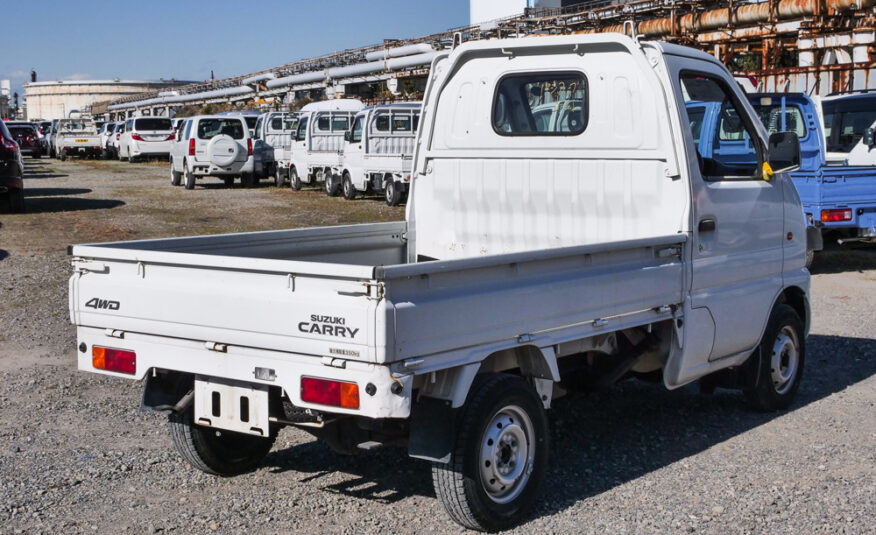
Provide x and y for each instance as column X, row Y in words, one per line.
column 845, row 122
column 153, row 124
column 78, row 126
column 771, row 117
column 210, row 128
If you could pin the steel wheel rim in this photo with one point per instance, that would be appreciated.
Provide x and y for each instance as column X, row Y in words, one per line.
column 507, row 454
column 785, row 359
column 390, row 191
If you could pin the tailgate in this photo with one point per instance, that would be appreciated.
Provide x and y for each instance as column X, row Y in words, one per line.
column 306, row 307
column 849, row 185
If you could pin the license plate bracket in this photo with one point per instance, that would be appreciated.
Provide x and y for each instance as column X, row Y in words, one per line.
column 232, row 405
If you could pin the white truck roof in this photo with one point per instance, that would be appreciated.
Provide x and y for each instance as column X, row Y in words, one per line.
column 341, row 104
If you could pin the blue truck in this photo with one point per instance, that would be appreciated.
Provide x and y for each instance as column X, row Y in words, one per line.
column 839, row 200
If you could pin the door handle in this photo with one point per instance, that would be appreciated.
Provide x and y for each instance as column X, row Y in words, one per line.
column 707, row 225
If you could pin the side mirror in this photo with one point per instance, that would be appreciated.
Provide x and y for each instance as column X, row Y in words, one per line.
column 870, row 137
column 348, row 136
column 784, row 152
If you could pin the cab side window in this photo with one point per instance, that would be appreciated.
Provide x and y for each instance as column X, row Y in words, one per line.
column 356, row 135
column 726, row 143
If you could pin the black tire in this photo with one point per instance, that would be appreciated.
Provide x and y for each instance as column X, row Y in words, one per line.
column 781, row 356
column 461, row 484
column 279, row 179
column 332, row 188
column 221, row 453
column 36, row 156
column 229, row 181
column 294, row 179
column 810, row 257
column 392, row 193
column 175, row 177
column 15, row 201
column 248, row 180
column 63, row 156
column 348, row 188
column 189, row 176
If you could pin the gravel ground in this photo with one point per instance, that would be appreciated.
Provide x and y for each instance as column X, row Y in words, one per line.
column 78, row 456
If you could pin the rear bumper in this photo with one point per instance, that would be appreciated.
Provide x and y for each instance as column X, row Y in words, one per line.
column 210, row 169
column 150, row 148
column 240, row 363
column 863, row 219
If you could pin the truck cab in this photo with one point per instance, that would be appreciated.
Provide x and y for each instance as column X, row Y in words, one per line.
column 378, row 149
column 317, row 142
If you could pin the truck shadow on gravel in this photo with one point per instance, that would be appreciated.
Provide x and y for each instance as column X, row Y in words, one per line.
column 599, row 440
column 844, row 258
column 41, row 205
column 49, row 192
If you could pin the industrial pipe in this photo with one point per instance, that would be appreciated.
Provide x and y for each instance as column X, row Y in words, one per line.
column 406, row 50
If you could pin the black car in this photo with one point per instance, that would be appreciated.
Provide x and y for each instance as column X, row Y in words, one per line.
column 11, row 173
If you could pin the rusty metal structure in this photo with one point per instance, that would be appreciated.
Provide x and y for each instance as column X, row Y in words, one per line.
column 812, row 46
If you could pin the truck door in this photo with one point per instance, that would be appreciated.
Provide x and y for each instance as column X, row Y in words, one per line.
column 737, row 215
column 299, row 148
column 354, row 152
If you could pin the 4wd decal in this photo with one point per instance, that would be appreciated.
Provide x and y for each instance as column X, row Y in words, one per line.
column 327, row 325
column 96, row 303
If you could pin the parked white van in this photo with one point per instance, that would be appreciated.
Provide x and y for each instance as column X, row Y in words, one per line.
column 378, row 150
column 212, row 145
column 146, row 137
column 318, row 140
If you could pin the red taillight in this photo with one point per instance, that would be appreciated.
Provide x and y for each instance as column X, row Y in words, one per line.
column 117, row 137
column 114, row 360
column 7, row 143
column 192, row 147
column 327, row 392
column 249, row 147
column 136, row 137
column 832, row 216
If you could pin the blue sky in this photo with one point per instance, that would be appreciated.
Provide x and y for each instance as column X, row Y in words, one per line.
column 185, row 39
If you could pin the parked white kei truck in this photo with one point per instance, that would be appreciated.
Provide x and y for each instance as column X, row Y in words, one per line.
column 536, row 257
column 378, row 150
column 317, row 142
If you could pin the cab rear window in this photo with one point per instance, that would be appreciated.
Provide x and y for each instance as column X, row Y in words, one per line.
column 210, row 128
column 153, row 124
column 541, row 104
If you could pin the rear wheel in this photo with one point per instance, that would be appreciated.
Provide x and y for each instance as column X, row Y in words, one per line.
column 248, row 180
column 810, row 257
column 499, row 457
column 63, row 156
column 15, row 201
column 217, row 452
column 781, row 353
column 294, row 180
column 392, row 193
column 279, row 179
column 190, row 177
column 349, row 188
column 332, row 187
column 229, row 181
column 175, row 177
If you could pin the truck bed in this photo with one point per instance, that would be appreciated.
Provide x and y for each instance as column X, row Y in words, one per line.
column 349, row 291
column 839, row 187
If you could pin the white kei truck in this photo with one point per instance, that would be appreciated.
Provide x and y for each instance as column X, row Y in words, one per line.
column 378, row 151
column 272, row 140
column 317, row 142
column 536, row 257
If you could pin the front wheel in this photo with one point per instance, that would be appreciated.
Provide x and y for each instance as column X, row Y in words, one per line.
column 781, row 353
column 499, row 457
column 217, row 452
column 348, row 187
column 294, row 180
